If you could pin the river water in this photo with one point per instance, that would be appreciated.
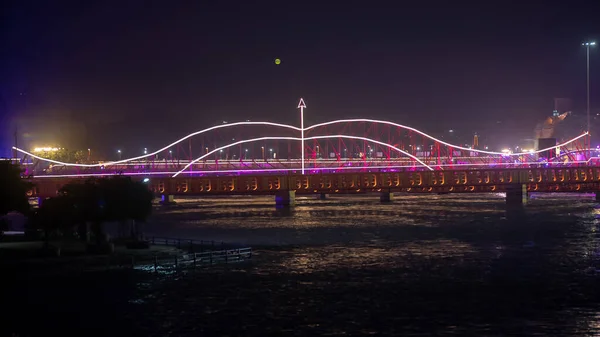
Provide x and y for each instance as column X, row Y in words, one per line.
column 456, row 265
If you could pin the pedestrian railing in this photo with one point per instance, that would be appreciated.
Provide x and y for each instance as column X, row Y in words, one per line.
column 192, row 246
column 158, row 263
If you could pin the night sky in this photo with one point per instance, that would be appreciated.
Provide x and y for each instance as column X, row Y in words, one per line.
column 112, row 74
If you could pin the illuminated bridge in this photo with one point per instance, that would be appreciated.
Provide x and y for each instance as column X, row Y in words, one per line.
column 341, row 156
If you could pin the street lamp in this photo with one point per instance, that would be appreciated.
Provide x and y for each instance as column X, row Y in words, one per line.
column 119, row 152
column 145, row 151
column 262, row 148
column 587, row 47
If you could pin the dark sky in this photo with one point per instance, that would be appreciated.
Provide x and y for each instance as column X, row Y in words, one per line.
column 108, row 74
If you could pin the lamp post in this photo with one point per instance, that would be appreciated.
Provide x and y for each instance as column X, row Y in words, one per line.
column 587, row 47
column 119, row 152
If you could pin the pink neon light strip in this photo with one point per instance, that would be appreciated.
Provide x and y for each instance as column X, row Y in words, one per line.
column 292, row 170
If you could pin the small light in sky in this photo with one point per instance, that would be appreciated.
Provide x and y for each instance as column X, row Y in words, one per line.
column 277, row 61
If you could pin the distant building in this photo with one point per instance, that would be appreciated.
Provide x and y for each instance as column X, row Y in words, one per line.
column 475, row 141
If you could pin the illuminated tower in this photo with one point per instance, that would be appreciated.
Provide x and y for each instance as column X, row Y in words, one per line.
column 475, row 141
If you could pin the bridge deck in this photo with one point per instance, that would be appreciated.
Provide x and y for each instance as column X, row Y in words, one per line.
column 563, row 179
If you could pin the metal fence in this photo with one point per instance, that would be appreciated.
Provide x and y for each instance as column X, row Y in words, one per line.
column 193, row 260
column 158, row 263
column 192, row 246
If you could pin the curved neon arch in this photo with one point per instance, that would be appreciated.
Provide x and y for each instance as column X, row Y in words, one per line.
column 438, row 140
column 297, row 129
column 296, row 138
column 157, row 151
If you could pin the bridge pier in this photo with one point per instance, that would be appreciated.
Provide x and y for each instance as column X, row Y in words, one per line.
column 322, row 196
column 386, row 196
column 285, row 198
column 597, row 196
column 167, row 199
column 516, row 195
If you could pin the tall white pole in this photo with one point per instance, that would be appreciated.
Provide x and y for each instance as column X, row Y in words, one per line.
column 301, row 106
column 588, row 87
column 587, row 47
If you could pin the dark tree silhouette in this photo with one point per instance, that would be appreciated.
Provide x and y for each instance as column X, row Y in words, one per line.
column 55, row 214
column 13, row 189
column 85, row 200
column 126, row 200
column 109, row 199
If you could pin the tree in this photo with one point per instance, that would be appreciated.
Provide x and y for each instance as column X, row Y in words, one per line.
column 126, row 200
column 55, row 214
column 13, row 189
column 66, row 155
column 86, row 206
column 108, row 199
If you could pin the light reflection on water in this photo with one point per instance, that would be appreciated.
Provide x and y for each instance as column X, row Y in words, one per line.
column 447, row 264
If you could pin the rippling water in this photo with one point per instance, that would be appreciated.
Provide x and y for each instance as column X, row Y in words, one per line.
column 450, row 264
column 420, row 266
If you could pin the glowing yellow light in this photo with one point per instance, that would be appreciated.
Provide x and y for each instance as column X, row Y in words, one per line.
column 45, row 149
column 277, row 61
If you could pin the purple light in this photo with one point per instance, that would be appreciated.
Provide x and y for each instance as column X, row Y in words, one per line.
column 411, row 168
column 297, row 129
column 295, row 138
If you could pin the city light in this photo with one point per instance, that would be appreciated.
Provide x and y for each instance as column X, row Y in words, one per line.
column 46, row 149
column 302, row 139
column 288, row 170
column 289, row 127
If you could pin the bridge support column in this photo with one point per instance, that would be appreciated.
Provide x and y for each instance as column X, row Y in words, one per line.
column 167, row 199
column 386, row 196
column 285, row 198
column 516, row 195
column 597, row 196
column 322, row 196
